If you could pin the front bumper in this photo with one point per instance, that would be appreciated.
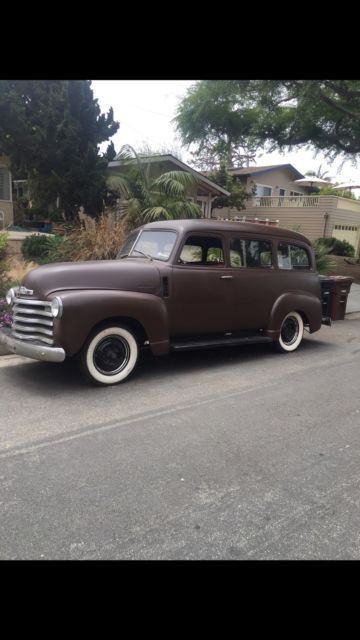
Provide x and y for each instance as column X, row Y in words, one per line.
column 31, row 349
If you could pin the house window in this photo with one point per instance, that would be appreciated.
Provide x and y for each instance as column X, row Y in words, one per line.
column 263, row 190
column 296, row 193
column 4, row 184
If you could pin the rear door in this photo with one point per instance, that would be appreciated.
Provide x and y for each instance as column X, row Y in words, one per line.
column 252, row 271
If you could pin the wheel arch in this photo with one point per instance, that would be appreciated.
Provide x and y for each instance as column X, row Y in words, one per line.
column 124, row 321
column 307, row 305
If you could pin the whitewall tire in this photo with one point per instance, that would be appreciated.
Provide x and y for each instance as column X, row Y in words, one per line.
column 291, row 333
column 109, row 355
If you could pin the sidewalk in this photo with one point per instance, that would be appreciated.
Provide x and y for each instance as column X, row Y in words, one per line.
column 353, row 301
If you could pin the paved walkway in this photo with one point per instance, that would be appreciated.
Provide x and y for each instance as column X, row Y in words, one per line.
column 353, row 301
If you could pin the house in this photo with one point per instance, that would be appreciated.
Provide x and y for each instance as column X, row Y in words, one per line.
column 279, row 199
column 202, row 194
column 6, row 203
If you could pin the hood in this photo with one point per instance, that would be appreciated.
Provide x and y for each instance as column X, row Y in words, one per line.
column 126, row 275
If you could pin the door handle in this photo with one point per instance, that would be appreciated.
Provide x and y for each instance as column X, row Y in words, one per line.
column 226, row 277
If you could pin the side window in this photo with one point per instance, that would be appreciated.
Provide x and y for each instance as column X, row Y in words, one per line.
column 202, row 250
column 291, row 256
column 250, row 253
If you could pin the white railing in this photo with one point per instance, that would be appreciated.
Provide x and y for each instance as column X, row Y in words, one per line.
column 286, row 201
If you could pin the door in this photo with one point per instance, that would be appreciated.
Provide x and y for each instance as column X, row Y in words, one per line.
column 200, row 302
column 253, row 281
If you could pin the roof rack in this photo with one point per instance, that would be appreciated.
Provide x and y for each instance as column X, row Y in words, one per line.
column 273, row 223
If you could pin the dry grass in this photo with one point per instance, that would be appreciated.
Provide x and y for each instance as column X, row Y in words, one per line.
column 95, row 240
column 18, row 268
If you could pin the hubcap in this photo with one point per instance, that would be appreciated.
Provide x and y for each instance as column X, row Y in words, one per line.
column 290, row 331
column 111, row 355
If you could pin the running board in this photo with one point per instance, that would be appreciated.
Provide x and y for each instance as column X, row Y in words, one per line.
column 218, row 342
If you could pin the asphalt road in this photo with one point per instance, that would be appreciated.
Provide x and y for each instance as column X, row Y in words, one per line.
column 223, row 454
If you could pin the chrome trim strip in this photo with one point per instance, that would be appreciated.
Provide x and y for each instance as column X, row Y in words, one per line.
column 35, row 351
column 47, row 323
column 38, row 312
column 38, row 329
column 41, row 303
column 38, row 337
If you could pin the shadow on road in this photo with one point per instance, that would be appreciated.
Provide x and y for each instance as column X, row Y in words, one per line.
column 44, row 377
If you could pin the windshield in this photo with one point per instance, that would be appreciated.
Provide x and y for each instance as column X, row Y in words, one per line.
column 154, row 244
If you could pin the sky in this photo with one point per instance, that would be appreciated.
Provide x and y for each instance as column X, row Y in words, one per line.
column 145, row 109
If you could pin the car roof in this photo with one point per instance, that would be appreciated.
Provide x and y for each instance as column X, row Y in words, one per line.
column 202, row 224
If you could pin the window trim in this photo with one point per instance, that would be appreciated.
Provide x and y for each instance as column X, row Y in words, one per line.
column 201, row 234
column 251, row 238
column 300, row 245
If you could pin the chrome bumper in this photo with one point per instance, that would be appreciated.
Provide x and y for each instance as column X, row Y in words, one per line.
column 31, row 350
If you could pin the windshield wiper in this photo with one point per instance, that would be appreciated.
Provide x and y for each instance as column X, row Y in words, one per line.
column 142, row 253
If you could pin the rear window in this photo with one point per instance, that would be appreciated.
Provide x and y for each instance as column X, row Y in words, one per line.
column 250, row 253
column 292, row 256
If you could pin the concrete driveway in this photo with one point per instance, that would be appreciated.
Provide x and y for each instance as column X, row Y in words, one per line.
column 353, row 301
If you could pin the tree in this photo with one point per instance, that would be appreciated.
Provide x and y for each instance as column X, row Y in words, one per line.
column 238, row 192
column 207, row 117
column 323, row 175
column 51, row 131
column 269, row 114
column 146, row 150
column 145, row 199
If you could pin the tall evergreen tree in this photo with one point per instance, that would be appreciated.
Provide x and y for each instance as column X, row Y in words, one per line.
column 51, row 131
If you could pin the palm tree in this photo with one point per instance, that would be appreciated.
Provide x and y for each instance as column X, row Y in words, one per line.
column 323, row 175
column 145, row 199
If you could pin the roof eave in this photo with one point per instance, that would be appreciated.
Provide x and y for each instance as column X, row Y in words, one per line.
column 182, row 165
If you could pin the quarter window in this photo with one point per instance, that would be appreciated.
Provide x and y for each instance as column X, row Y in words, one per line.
column 291, row 256
column 250, row 253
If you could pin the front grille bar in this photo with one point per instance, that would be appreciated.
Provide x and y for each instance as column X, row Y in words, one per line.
column 32, row 320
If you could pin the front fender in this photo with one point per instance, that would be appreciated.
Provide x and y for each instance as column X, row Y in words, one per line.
column 306, row 304
column 83, row 310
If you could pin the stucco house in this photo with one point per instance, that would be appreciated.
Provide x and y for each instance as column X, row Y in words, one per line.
column 279, row 198
column 6, row 202
column 202, row 194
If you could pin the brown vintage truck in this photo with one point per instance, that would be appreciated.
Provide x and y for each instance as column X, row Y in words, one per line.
column 176, row 285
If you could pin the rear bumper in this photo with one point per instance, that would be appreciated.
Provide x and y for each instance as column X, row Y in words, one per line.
column 31, row 349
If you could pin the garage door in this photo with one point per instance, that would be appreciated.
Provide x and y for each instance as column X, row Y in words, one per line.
column 345, row 232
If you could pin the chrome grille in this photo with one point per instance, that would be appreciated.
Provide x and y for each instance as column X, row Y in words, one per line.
column 32, row 320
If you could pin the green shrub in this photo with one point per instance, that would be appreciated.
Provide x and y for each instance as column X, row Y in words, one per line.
column 343, row 248
column 56, row 246
column 325, row 264
column 336, row 247
column 35, row 248
column 3, row 244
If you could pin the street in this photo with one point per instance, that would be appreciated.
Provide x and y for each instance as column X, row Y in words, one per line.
column 223, row 454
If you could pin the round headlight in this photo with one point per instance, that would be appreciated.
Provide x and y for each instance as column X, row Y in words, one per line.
column 57, row 307
column 10, row 296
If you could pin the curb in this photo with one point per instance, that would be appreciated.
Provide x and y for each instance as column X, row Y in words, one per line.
column 4, row 351
column 13, row 359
